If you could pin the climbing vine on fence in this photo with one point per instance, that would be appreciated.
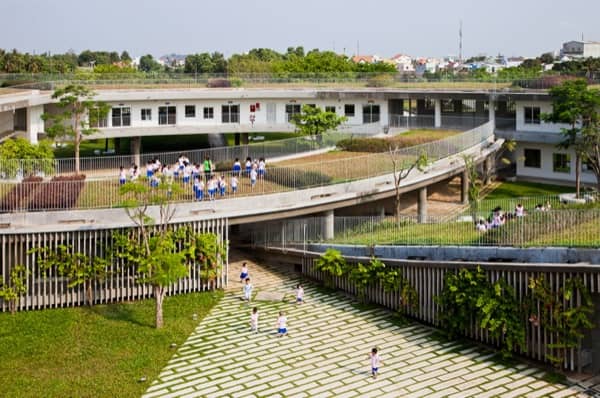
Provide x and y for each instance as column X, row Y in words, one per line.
column 565, row 312
column 468, row 296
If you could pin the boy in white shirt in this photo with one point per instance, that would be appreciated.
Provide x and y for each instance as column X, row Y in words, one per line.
column 299, row 294
column 375, row 362
column 282, row 325
column 254, row 320
column 248, row 290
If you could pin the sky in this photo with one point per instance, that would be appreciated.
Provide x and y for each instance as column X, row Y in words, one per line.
column 382, row 27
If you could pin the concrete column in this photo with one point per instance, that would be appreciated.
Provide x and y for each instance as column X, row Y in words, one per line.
column 382, row 211
column 492, row 110
column 237, row 139
column 35, row 124
column 328, row 225
column 136, row 148
column 488, row 166
column 245, row 138
column 438, row 113
column 422, row 205
column 464, row 188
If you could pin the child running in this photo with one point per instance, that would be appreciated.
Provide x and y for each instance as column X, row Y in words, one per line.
column 282, row 325
column 254, row 320
column 248, row 291
column 299, row 294
column 244, row 272
column 375, row 362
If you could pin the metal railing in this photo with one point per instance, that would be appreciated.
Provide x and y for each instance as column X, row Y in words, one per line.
column 102, row 193
column 375, row 80
column 556, row 228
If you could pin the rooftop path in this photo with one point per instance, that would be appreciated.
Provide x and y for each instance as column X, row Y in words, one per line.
column 326, row 352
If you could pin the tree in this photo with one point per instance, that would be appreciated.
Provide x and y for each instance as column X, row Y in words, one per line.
column 125, row 57
column 15, row 288
column 474, row 186
column 489, row 167
column 40, row 158
column 148, row 64
column 77, row 267
column 158, row 252
column 79, row 113
column 332, row 264
column 313, row 120
column 575, row 104
column 402, row 165
column 547, row 58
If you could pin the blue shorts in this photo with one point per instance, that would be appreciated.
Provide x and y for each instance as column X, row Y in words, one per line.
column 261, row 172
column 299, row 299
column 122, row 181
column 282, row 330
column 243, row 275
column 186, row 179
column 374, row 370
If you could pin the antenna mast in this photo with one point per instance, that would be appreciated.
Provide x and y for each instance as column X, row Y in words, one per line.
column 460, row 38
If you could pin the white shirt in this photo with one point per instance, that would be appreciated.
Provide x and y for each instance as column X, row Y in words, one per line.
column 253, row 174
column 375, row 360
column 281, row 322
column 254, row 319
column 300, row 293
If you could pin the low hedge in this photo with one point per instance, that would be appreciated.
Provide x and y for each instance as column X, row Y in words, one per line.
column 19, row 194
column 296, row 178
column 377, row 145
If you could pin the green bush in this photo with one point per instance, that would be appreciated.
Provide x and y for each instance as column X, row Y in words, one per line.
column 296, row 178
column 363, row 145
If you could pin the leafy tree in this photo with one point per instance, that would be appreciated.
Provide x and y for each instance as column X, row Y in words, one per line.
column 79, row 113
column 313, row 120
column 125, row 57
column 39, row 158
column 159, row 259
column 332, row 264
column 15, row 288
column 148, row 64
column 402, row 165
column 575, row 104
column 473, row 184
column 77, row 267
column 547, row 58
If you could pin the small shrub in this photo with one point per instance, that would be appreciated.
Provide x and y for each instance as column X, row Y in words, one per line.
column 296, row 178
column 380, row 81
column 218, row 83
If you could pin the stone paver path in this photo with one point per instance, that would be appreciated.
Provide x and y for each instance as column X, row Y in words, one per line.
column 326, row 354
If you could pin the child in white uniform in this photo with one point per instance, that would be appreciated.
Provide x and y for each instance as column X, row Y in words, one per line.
column 375, row 362
column 248, row 290
column 254, row 320
column 282, row 324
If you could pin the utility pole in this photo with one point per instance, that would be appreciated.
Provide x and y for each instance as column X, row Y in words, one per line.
column 460, row 38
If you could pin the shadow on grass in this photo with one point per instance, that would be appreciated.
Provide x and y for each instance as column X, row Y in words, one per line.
column 121, row 312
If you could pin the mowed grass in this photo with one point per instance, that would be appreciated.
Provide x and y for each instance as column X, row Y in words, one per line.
column 509, row 190
column 101, row 351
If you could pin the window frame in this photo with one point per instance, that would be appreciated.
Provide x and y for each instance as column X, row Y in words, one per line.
column 296, row 109
column 532, row 115
column 530, row 161
column 330, row 108
column 146, row 114
column 208, row 112
column 190, row 111
column 123, row 117
column 561, row 162
column 369, row 116
column 348, row 113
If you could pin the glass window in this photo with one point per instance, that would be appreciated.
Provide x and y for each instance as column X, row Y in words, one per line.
column 291, row 110
column 190, row 111
column 532, row 114
column 330, row 109
column 121, row 116
column 533, row 158
column 146, row 114
column 561, row 163
column 230, row 114
column 167, row 115
column 96, row 121
column 209, row 113
column 370, row 113
column 349, row 110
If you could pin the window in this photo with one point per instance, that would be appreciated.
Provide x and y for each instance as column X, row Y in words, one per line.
column 190, row 111
column 533, row 158
column 209, row 113
column 349, row 110
column 330, row 109
column 370, row 113
column 96, row 121
column 230, row 114
column 147, row 114
column 561, row 163
column 586, row 165
column 291, row 110
column 167, row 115
column 532, row 114
column 121, row 116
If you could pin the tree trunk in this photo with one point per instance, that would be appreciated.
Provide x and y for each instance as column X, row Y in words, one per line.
column 398, row 196
column 89, row 293
column 77, row 142
column 12, row 306
column 159, row 296
column 577, row 176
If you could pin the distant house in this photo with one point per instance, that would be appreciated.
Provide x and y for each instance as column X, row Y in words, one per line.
column 403, row 63
column 580, row 49
column 364, row 59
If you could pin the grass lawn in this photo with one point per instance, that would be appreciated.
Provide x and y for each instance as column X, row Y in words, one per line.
column 93, row 352
column 510, row 190
column 230, row 137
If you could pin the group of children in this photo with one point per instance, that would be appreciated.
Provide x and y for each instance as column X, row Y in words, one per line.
column 281, row 324
column 282, row 319
column 189, row 173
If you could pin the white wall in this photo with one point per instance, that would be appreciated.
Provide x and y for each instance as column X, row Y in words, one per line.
column 546, row 169
column 6, row 121
column 545, row 107
column 244, row 106
column 35, row 124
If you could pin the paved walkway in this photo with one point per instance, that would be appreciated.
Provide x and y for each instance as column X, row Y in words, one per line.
column 326, row 354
